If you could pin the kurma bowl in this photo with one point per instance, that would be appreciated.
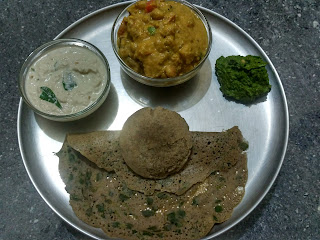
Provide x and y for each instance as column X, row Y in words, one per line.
column 161, row 43
column 65, row 79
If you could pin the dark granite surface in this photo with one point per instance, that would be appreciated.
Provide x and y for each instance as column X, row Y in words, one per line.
column 288, row 31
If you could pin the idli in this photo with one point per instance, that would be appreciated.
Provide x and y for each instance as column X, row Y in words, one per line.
column 155, row 143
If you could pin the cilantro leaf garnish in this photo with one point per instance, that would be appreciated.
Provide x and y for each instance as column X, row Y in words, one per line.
column 49, row 96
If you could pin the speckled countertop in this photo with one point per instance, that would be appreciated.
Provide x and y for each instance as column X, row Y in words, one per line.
column 288, row 31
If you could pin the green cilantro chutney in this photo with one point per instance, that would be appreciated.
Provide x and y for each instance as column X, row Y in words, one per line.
column 243, row 79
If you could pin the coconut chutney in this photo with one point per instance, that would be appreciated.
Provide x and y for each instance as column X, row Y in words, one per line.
column 66, row 80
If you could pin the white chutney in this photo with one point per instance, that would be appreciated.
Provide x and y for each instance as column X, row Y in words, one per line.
column 76, row 76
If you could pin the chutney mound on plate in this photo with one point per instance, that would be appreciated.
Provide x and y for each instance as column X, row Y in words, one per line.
column 243, row 78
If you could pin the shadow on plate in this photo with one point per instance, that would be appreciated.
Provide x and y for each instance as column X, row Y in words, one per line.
column 101, row 119
column 176, row 98
column 260, row 99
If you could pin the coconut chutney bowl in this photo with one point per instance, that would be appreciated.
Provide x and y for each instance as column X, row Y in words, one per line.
column 161, row 43
column 65, row 80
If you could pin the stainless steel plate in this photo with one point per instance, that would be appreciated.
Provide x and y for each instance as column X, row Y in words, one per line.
column 264, row 124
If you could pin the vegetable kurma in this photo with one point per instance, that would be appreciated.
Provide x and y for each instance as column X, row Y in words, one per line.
column 162, row 39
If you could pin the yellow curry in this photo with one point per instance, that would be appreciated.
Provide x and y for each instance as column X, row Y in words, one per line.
column 161, row 39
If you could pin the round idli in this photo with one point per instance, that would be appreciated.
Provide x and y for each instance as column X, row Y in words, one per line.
column 155, row 143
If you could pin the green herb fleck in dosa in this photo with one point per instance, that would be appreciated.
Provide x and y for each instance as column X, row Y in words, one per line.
column 218, row 208
column 148, row 213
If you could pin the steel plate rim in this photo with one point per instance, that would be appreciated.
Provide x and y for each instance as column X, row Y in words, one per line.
column 96, row 12
column 286, row 120
column 34, row 182
column 252, row 41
